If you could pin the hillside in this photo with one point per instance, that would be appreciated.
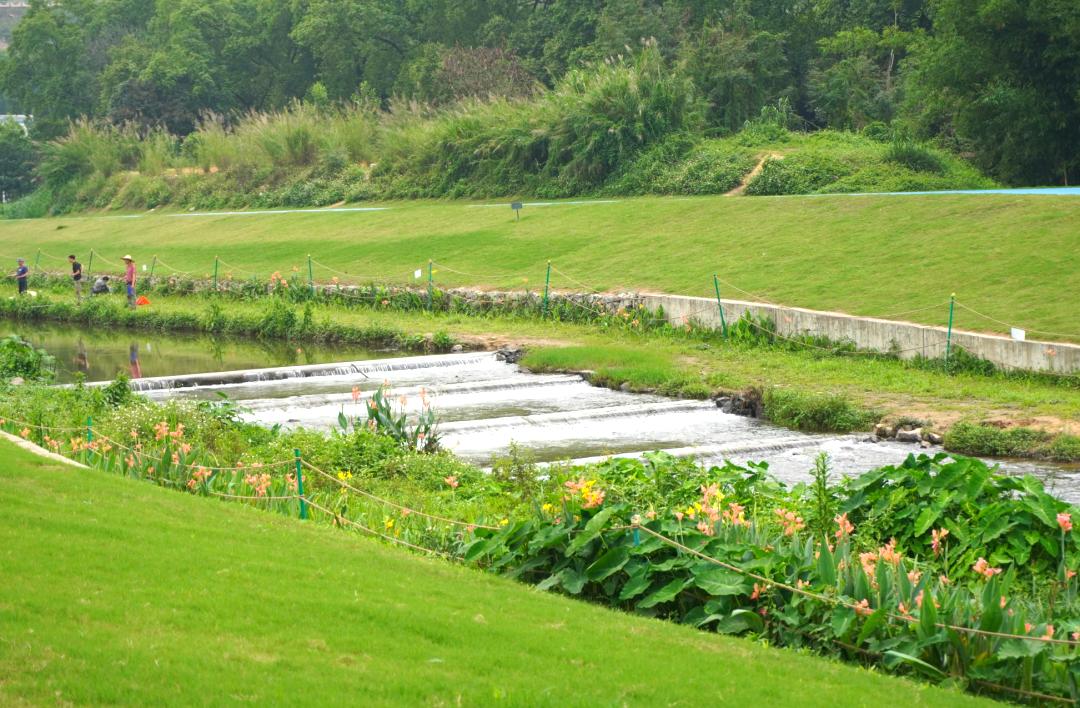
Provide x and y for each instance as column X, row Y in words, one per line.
column 118, row 592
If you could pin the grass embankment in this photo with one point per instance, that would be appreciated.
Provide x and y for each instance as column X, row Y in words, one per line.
column 1013, row 258
column 119, row 592
column 807, row 389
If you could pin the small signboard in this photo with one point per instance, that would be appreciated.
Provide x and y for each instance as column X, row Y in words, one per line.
column 1017, row 334
column 516, row 206
column 418, row 273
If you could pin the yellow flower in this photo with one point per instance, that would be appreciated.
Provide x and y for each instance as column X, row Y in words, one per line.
column 547, row 508
column 504, row 522
column 388, row 523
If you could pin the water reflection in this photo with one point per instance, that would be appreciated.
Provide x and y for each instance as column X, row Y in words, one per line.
column 100, row 355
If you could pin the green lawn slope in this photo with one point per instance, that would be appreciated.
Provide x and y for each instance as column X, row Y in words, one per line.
column 1014, row 259
column 116, row 592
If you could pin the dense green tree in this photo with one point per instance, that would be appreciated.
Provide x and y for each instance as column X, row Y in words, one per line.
column 1002, row 77
column 17, row 160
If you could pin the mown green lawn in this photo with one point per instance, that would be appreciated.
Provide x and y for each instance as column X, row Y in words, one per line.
column 1013, row 258
column 117, row 592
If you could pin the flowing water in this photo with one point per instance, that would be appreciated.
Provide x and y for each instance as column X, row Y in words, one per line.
column 483, row 404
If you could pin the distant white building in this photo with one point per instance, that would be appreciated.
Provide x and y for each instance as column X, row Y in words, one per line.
column 22, row 120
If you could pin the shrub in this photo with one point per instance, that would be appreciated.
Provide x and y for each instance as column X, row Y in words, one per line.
column 975, row 439
column 815, row 412
column 914, row 156
column 804, row 172
column 18, row 357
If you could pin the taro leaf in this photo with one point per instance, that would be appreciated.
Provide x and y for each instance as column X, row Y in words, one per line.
column 549, row 582
column 665, row 594
column 926, row 519
column 842, row 619
column 997, row 527
column 1020, row 649
column 914, row 661
column 720, row 582
column 636, row 585
column 342, row 421
column 740, row 621
column 591, row 531
column 531, row 564
column 573, row 580
column 610, row 562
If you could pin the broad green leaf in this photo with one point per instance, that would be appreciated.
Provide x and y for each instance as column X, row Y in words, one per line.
column 613, row 560
column 719, row 582
column 926, row 519
column 740, row 621
column 572, row 580
column 914, row 661
column 842, row 620
column 873, row 622
column 635, row 586
column 665, row 594
column 592, row 530
column 1020, row 649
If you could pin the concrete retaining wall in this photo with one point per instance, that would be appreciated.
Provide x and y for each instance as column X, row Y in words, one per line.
column 874, row 334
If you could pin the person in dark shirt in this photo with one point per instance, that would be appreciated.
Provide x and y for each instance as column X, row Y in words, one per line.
column 22, row 272
column 76, row 277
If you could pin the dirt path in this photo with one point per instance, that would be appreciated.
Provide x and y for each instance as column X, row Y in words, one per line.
column 753, row 173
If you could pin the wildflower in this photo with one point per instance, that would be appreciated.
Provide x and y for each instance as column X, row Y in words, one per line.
column 191, row 484
column 385, row 303
column 1049, row 632
column 1070, row 574
column 983, row 568
column 451, row 481
column 290, row 482
column 710, row 491
column 388, row 523
column 863, row 608
column 800, row 584
column 705, row 528
column 178, row 433
column 405, row 512
column 547, row 508
column 130, row 461
column 759, row 590
column 185, row 448
column 161, row 430
column 913, row 576
column 944, row 580
column 1065, row 521
column 175, row 458
column 790, row 521
column 1004, row 602
column 938, row 535
column 905, row 611
column 1028, row 627
column 25, row 433
column 504, row 522
column 918, row 599
column 1075, row 636
column 150, row 470
column 650, row 514
column 734, row 515
column 844, row 527
column 868, row 560
column 470, row 528
column 344, row 476
column 134, row 434
column 888, row 552
column 355, row 394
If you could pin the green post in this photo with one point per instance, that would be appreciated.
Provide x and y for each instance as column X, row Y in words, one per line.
column 37, row 260
column 948, row 336
column 300, row 483
column 310, row 275
column 720, row 304
column 89, row 429
column 215, row 272
column 547, row 287
column 430, row 285
column 90, row 264
column 153, row 264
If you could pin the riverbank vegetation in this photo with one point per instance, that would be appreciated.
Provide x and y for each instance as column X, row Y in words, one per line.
column 824, row 387
column 911, row 568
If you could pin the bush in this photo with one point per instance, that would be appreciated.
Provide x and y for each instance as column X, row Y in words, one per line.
column 18, row 357
column 915, row 157
column 975, row 439
column 804, row 172
column 821, row 413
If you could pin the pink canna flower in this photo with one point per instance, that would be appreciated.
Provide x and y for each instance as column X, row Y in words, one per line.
column 983, row 568
column 863, row 608
column 844, row 527
column 678, row 516
column 1065, row 521
column 451, row 481
column 355, row 394
column 938, row 535
column 1049, row 632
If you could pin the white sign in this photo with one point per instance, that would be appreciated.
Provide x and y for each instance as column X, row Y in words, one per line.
column 1017, row 334
column 143, row 267
column 417, row 273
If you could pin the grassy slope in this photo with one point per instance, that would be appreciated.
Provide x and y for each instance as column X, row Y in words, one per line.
column 1011, row 257
column 119, row 592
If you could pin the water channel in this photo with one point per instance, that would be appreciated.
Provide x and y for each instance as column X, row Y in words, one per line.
column 483, row 404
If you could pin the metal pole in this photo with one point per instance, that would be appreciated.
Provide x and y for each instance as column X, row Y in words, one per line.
column 215, row 272
column 948, row 336
column 310, row 275
column 720, row 304
column 153, row 264
column 300, row 483
column 37, row 260
column 430, row 285
column 547, row 287
column 89, row 429
column 90, row 265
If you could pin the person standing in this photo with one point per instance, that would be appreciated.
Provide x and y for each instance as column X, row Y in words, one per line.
column 22, row 272
column 129, row 280
column 76, row 278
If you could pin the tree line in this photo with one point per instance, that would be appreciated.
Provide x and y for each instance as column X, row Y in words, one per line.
column 995, row 80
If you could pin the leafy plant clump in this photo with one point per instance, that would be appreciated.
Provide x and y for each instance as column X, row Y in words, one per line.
column 19, row 358
column 818, row 413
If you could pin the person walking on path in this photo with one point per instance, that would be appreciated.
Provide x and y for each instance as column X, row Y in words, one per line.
column 76, row 278
column 129, row 280
column 22, row 272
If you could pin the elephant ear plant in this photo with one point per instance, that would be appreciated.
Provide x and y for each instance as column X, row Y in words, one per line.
column 390, row 416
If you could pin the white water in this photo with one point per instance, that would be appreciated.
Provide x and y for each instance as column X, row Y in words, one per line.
column 484, row 405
